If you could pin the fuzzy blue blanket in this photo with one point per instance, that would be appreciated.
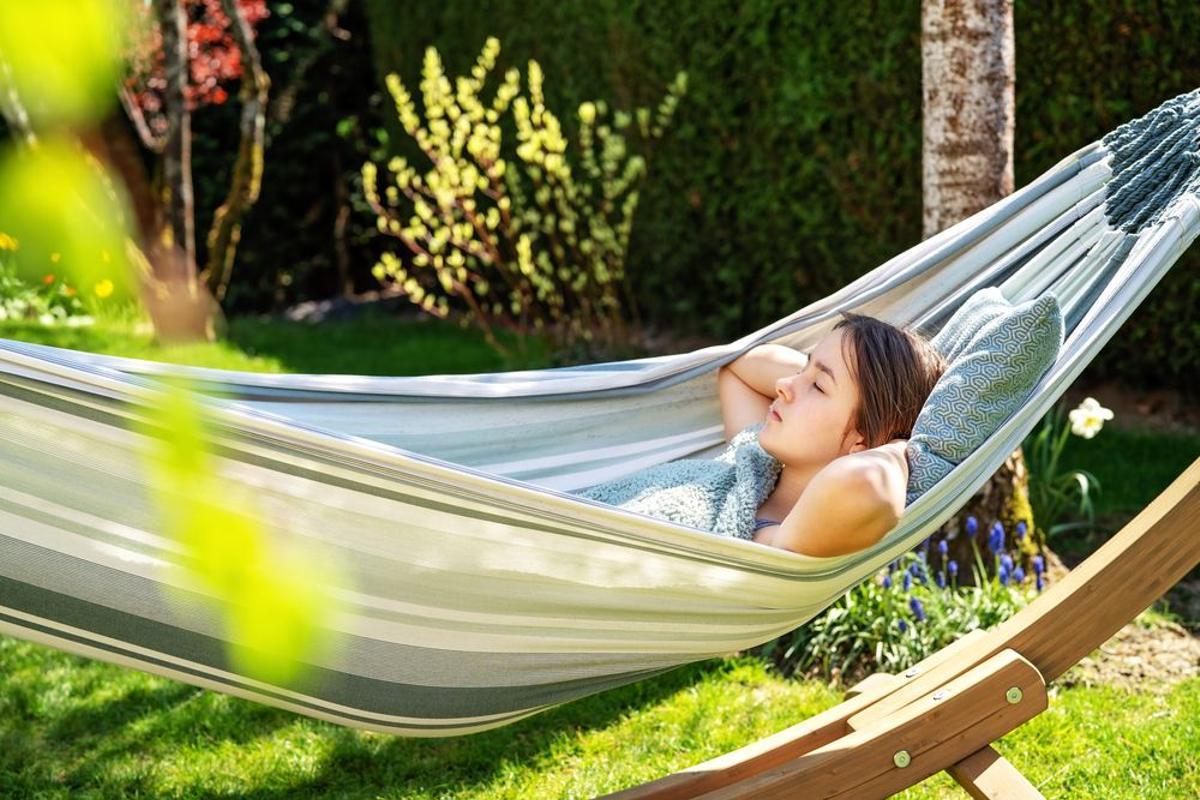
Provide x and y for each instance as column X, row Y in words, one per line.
column 719, row 495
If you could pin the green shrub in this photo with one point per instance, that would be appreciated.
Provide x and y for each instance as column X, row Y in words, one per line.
column 909, row 611
column 532, row 237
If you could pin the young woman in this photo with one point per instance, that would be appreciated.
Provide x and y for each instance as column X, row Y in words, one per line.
column 838, row 418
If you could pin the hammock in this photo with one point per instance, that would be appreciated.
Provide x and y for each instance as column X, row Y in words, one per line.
column 483, row 591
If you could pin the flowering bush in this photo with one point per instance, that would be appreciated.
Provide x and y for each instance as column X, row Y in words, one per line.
column 910, row 610
column 214, row 59
column 524, row 239
column 50, row 301
column 1050, row 493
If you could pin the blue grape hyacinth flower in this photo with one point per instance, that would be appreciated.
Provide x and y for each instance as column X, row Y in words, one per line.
column 1002, row 574
column 1039, row 565
column 887, row 581
column 952, row 567
column 1021, row 528
column 996, row 538
column 907, row 581
column 943, row 547
column 972, row 525
column 902, row 625
column 941, row 579
column 1018, row 575
column 1041, row 584
column 1006, row 562
column 917, row 609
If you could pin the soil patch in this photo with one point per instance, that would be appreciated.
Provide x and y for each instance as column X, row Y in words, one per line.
column 1141, row 657
column 1159, row 410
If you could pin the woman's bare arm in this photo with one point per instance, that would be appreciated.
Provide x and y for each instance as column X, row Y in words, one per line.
column 746, row 385
column 759, row 367
column 849, row 505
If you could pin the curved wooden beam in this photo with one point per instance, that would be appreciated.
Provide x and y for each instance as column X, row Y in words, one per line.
column 1067, row 622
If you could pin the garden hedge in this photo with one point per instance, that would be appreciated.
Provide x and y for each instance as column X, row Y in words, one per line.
column 794, row 163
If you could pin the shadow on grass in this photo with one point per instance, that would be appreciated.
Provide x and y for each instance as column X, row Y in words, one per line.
column 361, row 764
column 100, row 719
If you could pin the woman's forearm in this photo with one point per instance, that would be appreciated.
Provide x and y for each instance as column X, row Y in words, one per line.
column 761, row 366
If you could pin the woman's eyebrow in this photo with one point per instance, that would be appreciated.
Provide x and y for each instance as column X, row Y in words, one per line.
column 821, row 365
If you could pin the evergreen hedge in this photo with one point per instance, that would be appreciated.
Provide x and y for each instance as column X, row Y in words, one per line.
column 794, row 162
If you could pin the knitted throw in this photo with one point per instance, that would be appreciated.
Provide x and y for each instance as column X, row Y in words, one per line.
column 719, row 495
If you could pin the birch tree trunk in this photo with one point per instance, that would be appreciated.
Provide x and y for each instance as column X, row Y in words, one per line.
column 968, row 62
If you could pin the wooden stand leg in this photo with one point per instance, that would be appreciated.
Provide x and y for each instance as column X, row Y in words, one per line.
column 986, row 775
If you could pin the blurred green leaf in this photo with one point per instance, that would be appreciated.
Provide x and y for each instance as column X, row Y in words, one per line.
column 272, row 598
column 67, row 217
column 65, row 56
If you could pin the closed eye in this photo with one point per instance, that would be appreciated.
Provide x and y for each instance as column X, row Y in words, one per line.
column 815, row 385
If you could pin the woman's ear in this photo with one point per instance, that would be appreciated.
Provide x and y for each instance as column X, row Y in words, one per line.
column 859, row 445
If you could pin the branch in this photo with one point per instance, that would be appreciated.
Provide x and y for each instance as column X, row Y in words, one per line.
column 155, row 144
column 247, row 170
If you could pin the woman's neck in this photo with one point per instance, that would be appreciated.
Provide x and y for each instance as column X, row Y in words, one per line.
column 793, row 480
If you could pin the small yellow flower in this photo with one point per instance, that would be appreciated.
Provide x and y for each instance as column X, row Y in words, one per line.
column 55, row 257
column 1088, row 418
column 7, row 242
column 103, row 289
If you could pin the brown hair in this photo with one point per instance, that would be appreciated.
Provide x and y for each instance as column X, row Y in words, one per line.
column 895, row 369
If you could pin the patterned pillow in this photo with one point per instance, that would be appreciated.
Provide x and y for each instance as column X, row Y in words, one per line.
column 997, row 353
column 982, row 307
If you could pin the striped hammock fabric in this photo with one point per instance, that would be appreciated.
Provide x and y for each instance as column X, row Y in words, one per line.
column 479, row 590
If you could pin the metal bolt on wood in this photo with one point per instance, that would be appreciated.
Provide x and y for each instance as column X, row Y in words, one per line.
column 902, row 759
column 940, row 694
column 912, row 673
column 1014, row 695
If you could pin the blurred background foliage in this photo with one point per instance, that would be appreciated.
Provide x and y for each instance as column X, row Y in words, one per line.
column 792, row 166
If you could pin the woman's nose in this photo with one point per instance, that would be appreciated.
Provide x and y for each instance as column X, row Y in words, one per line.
column 783, row 387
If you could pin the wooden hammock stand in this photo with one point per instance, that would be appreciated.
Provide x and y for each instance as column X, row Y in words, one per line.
column 893, row 731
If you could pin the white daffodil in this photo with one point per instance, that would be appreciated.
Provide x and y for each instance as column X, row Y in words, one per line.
column 1089, row 417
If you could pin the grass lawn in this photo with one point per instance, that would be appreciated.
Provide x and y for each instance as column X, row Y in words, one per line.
column 74, row 728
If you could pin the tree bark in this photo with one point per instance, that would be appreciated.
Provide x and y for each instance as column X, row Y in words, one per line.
column 968, row 79
column 968, row 82
column 247, row 170
column 177, row 154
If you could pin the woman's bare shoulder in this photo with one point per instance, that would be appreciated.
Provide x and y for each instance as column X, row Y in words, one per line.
column 847, row 506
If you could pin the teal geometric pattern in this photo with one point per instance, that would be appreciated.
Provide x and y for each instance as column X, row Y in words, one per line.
column 984, row 306
column 1000, row 352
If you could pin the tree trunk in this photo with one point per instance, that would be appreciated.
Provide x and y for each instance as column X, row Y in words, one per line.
column 247, row 170
column 177, row 154
column 968, row 80
column 179, row 309
column 968, row 76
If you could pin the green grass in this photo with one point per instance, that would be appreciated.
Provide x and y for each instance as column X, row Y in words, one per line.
column 76, row 728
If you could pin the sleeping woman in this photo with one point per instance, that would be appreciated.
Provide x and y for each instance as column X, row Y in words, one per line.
column 837, row 419
column 815, row 460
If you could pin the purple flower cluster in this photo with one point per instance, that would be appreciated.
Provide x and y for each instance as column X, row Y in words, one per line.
column 1008, row 571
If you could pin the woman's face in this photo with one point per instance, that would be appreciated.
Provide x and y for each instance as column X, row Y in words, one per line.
column 807, row 422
